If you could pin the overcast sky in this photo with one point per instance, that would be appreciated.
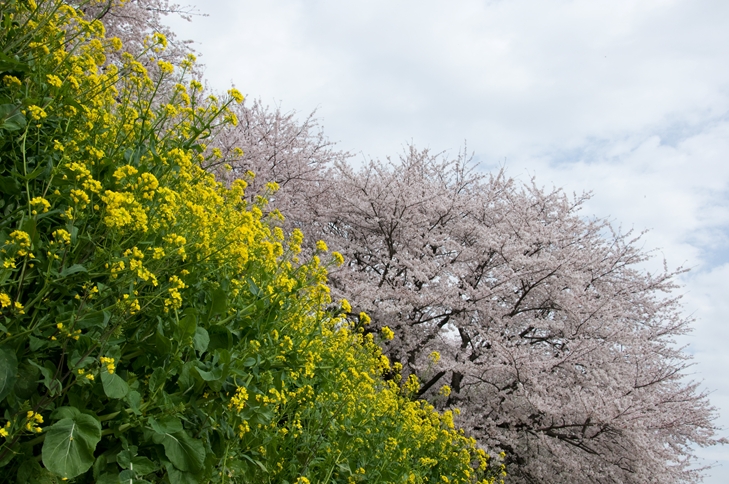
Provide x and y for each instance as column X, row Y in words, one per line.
column 626, row 99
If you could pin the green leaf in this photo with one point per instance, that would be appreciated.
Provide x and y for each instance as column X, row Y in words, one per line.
column 97, row 318
column 213, row 375
column 11, row 119
column 31, row 472
column 8, row 371
column 162, row 344
column 220, row 337
column 72, row 270
column 68, row 448
column 65, row 412
column 253, row 287
column 134, row 399
column 10, row 185
column 27, row 383
column 36, row 343
column 201, row 340
column 108, row 479
column 218, row 302
column 179, row 477
column 166, row 425
column 157, row 379
column 188, row 324
column 185, row 453
column 48, row 370
column 142, row 466
column 114, row 385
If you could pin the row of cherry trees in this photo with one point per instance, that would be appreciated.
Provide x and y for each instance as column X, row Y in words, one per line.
column 540, row 324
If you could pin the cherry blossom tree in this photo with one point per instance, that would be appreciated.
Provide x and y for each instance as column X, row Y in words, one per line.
column 276, row 146
column 539, row 324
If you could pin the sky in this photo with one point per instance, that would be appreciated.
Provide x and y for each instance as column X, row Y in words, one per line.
column 628, row 100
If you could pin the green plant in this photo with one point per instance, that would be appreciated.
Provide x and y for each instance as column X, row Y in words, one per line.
column 156, row 327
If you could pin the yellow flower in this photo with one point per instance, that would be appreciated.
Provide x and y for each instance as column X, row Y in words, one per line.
column 338, row 258
column 33, row 420
column 236, row 95
column 165, row 67
column 322, row 246
column 434, row 357
column 11, row 81
column 40, row 202
column 365, row 319
column 387, row 333
column 36, row 113
column 80, row 197
column 62, row 236
column 5, row 300
column 160, row 39
column 239, row 399
column 54, row 81
column 109, row 362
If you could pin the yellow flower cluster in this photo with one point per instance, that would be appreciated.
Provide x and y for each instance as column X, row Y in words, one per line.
column 4, row 430
column 33, row 419
column 239, row 399
column 109, row 363
column 174, row 301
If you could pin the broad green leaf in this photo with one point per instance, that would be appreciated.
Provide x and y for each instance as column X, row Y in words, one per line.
column 48, row 370
column 114, row 385
column 108, row 479
column 166, row 425
column 11, row 119
column 68, row 448
column 65, row 412
column 218, row 302
column 8, row 371
column 36, row 343
column 179, row 477
column 201, row 340
column 185, row 453
column 220, row 337
column 162, row 344
column 188, row 324
column 213, row 375
column 72, row 270
column 27, row 383
column 134, row 399
column 124, row 458
column 253, row 287
column 31, row 472
column 143, row 466
column 97, row 318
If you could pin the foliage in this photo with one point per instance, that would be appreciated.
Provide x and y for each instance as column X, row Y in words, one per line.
column 156, row 325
